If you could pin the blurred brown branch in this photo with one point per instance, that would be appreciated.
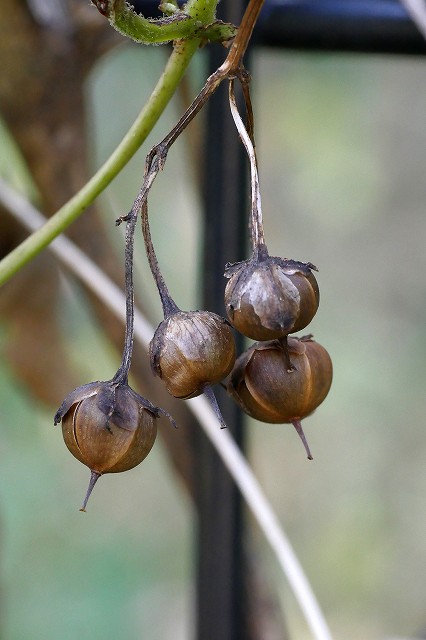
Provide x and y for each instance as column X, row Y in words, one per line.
column 42, row 102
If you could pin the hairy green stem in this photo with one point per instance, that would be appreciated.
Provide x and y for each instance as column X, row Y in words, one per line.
column 164, row 90
column 180, row 25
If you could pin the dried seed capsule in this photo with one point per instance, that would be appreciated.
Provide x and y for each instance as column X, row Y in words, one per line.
column 268, row 298
column 278, row 383
column 191, row 350
column 108, row 427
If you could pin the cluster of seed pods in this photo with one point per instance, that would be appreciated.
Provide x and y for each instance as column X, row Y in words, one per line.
column 280, row 379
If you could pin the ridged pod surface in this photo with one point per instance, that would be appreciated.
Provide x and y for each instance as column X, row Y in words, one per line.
column 267, row 389
column 270, row 298
column 108, row 427
column 191, row 350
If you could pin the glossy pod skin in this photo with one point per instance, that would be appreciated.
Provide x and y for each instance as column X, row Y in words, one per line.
column 191, row 350
column 108, row 428
column 267, row 389
column 271, row 297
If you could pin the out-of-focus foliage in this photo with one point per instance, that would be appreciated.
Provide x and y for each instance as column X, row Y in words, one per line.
column 341, row 143
column 12, row 165
column 62, row 572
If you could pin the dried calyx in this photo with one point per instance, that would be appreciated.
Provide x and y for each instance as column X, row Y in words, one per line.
column 106, row 425
column 190, row 350
column 266, row 297
column 282, row 381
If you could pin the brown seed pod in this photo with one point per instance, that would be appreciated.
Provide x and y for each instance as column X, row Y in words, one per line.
column 268, row 298
column 108, row 427
column 192, row 350
column 278, row 383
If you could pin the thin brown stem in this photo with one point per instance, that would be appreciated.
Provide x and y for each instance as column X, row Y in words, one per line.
column 257, row 234
column 298, row 426
column 123, row 372
column 245, row 78
column 231, row 67
column 209, row 393
column 169, row 305
column 284, row 346
column 241, row 40
column 94, row 477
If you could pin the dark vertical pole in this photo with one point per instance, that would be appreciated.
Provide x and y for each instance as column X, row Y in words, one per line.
column 221, row 575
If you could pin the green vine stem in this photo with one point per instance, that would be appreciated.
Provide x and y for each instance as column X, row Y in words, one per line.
column 181, row 25
column 144, row 123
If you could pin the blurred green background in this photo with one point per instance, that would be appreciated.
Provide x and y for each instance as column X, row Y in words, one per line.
column 342, row 145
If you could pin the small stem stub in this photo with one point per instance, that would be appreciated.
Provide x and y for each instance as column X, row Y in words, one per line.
column 298, row 426
column 94, row 477
column 208, row 392
column 284, row 345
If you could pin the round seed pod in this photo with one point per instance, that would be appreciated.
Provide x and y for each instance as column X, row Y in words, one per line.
column 278, row 387
column 110, row 431
column 278, row 383
column 271, row 297
column 191, row 350
column 107, row 427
